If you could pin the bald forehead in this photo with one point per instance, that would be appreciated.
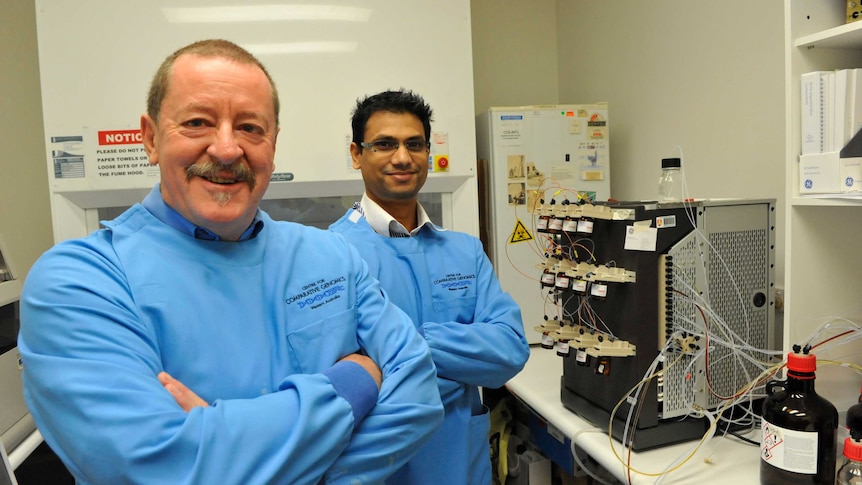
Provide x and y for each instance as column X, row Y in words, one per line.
column 195, row 67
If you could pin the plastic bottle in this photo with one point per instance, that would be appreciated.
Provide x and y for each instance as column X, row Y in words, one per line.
column 850, row 472
column 794, row 413
column 670, row 181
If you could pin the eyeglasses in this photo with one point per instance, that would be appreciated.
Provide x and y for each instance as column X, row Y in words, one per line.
column 389, row 146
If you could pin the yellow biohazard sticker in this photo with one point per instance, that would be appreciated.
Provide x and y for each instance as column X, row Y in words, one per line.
column 520, row 234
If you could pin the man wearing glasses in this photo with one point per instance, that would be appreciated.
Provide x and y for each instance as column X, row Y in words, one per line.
column 441, row 278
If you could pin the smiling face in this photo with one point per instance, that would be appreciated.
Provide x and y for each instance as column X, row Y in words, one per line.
column 392, row 178
column 214, row 142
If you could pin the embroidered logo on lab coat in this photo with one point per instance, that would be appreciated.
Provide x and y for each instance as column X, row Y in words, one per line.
column 318, row 293
column 455, row 281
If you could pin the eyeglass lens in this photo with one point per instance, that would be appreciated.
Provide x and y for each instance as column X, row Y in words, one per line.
column 391, row 145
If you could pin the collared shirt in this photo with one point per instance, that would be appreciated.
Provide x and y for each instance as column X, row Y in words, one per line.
column 154, row 203
column 386, row 225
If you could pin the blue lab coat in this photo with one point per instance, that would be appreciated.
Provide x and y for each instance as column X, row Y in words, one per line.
column 254, row 327
column 446, row 284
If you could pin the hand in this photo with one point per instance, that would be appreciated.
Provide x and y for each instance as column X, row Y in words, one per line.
column 182, row 394
column 369, row 365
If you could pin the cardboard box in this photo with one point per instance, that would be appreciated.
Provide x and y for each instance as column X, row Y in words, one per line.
column 819, row 173
column 527, row 466
column 850, row 174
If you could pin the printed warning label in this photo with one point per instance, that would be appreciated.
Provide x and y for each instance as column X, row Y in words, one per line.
column 520, row 234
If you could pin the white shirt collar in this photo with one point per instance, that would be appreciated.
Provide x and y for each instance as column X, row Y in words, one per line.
column 386, row 225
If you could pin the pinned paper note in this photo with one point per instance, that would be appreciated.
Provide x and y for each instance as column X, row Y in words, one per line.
column 640, row 236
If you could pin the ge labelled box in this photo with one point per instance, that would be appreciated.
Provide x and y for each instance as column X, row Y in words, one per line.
column 850, row 174
column 819, row 173
column 827, row 173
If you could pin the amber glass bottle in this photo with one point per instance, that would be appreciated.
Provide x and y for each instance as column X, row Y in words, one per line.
column 798, row 445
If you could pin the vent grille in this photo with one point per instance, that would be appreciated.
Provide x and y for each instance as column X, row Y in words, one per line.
column 728, row 276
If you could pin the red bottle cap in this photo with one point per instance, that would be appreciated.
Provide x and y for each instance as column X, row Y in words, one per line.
column 801, row 362
column 852, row 449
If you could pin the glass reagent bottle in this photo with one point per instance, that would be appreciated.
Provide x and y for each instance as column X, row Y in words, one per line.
column 850, row 472
column 798, row 428
column 670, row 181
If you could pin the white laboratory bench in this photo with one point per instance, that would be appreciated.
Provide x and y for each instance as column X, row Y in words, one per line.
column 720, row 460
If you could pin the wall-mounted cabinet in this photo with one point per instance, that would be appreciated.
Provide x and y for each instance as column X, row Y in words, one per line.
column 823, row 268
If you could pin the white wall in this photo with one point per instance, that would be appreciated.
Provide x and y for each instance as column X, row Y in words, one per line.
column 514, row 53
column 25, row 213
column 705, row 76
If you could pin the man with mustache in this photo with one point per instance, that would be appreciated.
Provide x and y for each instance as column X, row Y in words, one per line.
column 303, row 371
column 441, row 278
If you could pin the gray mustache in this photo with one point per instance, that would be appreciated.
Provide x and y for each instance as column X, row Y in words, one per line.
column 209, row 169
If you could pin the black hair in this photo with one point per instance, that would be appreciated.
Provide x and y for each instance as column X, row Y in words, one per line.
column 401, row 101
